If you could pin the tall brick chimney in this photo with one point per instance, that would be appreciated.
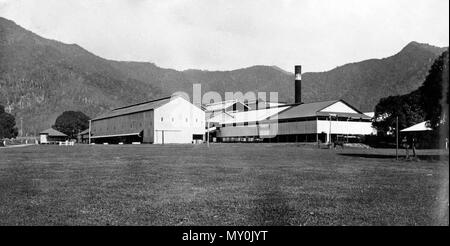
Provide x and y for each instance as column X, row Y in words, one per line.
column 298, row 84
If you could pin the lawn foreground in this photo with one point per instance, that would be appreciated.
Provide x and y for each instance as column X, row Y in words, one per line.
column 227, row 184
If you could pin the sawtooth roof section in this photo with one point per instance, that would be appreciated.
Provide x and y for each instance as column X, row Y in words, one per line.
column 246, row 116
column 220, row 105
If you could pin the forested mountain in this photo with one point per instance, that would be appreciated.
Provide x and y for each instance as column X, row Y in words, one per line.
column 41, row 78
column 361, row 84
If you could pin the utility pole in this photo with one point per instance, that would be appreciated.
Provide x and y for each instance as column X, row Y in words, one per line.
column 329, row 136
column 90, row 131
column 329, row 132
column 396, row 138
column 21, row 126
column 348, row 130
column 207, row 133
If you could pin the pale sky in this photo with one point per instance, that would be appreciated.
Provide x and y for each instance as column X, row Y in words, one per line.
column 231, row 34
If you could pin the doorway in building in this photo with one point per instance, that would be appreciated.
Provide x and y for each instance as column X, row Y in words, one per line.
column 197, row 138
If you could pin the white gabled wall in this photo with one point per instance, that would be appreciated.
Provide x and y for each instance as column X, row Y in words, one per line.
column 43, row 138
column 179, row 120
column 339, row 107
column 345, row 127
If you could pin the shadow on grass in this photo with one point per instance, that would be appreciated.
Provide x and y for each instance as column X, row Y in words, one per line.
column 402, row 157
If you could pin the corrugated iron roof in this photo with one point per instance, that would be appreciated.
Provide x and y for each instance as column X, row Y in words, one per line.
column 313, row 109
column 134, row 108
column 54, row 133
column 305, row 110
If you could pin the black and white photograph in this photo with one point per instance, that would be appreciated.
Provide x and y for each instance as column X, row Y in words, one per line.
column 211, row 113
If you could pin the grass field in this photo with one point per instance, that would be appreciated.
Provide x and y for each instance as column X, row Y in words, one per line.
column 228, row 184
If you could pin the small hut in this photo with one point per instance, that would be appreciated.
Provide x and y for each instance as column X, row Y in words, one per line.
column 420, row 127
column 419, row 132
column 52, row 136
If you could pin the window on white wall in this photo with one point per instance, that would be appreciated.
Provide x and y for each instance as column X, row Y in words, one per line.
column 162, row 119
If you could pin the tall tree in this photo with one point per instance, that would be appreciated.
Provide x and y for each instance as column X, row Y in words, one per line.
column 8, row 127
column 406, row 107
column 429, row 102
column 434, row 92
column 71, row 123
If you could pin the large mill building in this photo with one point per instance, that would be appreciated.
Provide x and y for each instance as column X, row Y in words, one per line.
column 176, row 120
column 324, row 121
column 165, row 120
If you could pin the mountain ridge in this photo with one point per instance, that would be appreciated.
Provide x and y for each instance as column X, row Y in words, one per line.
column 40, row 78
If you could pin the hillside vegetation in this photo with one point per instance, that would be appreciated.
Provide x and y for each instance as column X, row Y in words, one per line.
column 41, row 78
